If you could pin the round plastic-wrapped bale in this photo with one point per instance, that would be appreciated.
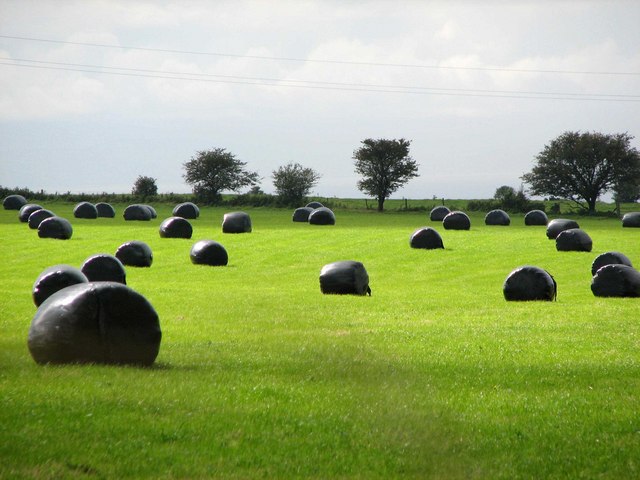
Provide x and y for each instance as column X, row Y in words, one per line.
column 102, row 322
column 573, row 240
column 609, row 258
column 186, row 210
column 314, row 205
column 302, row 214
column 135, row 254
column 209, row 252
column 176, row 227
column 529, row 283
column 438, row 213
column 631, row 220
column 14, row 202
column 322, row 216
column 236, row 222
column 616, row 280
column 55, row 227
column 557, row 225
column 27, row 210
column 38, row 216
column 152, row 211
column 105, row 210
column 497, row 217
column 456, row 221
column 104, row 268
column 137, row 212
column 427, row 238
column 85, row 210
column 55, row 278
column 536, row 217
column 344, row 277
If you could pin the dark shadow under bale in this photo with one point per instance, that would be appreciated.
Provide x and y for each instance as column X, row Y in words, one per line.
column 187, row 210
column 302, row 214
column 38, row 216
column 27, row 210
column 14, row 202
column 55, row 278
column 85, row 210
column 573, row 240
column 55, row 227
column 438, row 213
column 497, row 217
column 103, row 322
column 344, row 277
column 314, row 205
column 104, row 268
column 176, row 227
column 554, row 227
column 137, row 212
column 631, row 220
column 529, row 283
column 105, row 210
column 456, row 221
column 609, row 258
column 236, row 222
column 322, row 216
column 616, row 280
column 209, row 252
column 135, row 254
column 427, row 238
column 536, row 217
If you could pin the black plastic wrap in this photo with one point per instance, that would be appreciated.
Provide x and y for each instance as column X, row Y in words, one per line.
column 536, row 217
column 38, row 216
column 55, row 227
column 631, row 220
column 85, row 210
column 427, row 238
column 186, row 210
column 558, row 225
column 209, row 252
column 438, row 213
column 14, row 202
column 104, row 268
column 497, row 217
column 105, row 210
column 236, row 222
column 176, row 227
column 53, row 279
column 344, row 277
column 529, row 283
column 27, row 210
column 314, row 205
column 302, row 214
column 609, row 258
column 616, row 280
column 573, row 240
column 137, row 212
column 135, row 254
column 322, row 216
column 456, row 221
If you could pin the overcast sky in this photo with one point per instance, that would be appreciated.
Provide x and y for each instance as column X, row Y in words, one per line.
column 95, row 93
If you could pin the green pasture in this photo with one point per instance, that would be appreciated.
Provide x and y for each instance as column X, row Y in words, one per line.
column 261, row 376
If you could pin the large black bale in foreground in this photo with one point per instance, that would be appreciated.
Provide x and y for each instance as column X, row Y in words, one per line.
column 554, row 227
column 427, row 238
column 536, row 217
column 103, row 322
column 302, row 214
column 105, row 210
column 135, row 254
column 322, row 216
column 497, row 217
column 85, row 210
column 27, row 210
column 104, row 268
column 456, row 221
column 345, row 277
column 631, row 220
column 186, row 210
column 176, row 227
column 609, row 258
column 137, row 212
column 209, row 252
column 573, row 240
column 14, row 202
column 236, row 222
column 55, row 278
column 438, row 213
column 55, row 227
column 616, row 280
column 529, row 283
column 36, row 218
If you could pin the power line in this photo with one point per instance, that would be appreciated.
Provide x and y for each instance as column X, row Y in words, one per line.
column 400, row 88
column 320, row 87
column 309, row 60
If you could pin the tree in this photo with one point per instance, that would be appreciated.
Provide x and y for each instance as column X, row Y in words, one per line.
column 385, row 166
column 210, row 172
column 583, row 166
column 293, row 182
column 144, row 187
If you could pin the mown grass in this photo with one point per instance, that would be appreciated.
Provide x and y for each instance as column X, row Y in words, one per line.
column 260, row 375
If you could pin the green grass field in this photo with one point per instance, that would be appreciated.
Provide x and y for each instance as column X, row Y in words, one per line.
column 261, row 376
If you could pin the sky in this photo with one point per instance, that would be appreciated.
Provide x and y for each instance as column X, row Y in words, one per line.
column 94, row 94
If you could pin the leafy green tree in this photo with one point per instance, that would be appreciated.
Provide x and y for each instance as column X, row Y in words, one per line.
column 210, row 172
column 144, row 187
column 583, row 166
column 385, row 166
column 293, row 182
